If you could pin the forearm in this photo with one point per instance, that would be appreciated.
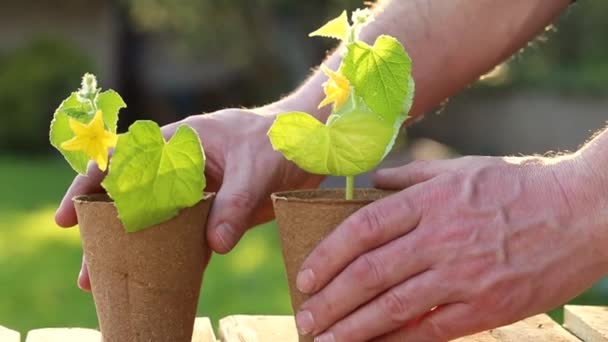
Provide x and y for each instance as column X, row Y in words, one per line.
column 451, row 43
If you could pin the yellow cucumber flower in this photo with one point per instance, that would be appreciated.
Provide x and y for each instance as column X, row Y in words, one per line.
column 92, row 139
column 337, row 88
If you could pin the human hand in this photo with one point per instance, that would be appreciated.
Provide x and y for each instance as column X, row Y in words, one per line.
column 469, row 244
column 241, row 167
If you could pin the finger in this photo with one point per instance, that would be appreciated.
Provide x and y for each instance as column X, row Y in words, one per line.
column 392, row 310
column 65, row 216
column 233, row 207
column 368, row 228
column 368, row 276
column 405, row 176
column 443, row 324
column 84, row 282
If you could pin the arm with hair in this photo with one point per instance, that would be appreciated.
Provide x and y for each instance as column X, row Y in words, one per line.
column 451, row 43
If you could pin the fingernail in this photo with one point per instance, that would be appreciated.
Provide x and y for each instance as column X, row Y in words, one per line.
column 226, row 235
column 306, row 281
column 327, row 337
column 305, row 322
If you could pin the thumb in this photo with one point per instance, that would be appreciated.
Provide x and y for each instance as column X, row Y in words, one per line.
column 65, row 216
column 233, row 209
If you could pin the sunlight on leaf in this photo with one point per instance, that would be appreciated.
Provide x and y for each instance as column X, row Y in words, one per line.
column 380, row 74
column 348, row 145
column 150, row 180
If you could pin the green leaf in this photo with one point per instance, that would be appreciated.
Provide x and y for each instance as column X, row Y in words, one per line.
column 61, row 131
column 409, row 100
column 350, row 144
column 149, row 179
column 337, row 28
column 110, row 103
column 78, row 113
column 380, row 74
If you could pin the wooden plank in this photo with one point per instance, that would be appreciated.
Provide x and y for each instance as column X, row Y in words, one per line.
column 7, row 335
column 481, row 337
column 243, row 328
column 203, row 331
column 589, row 323
column 536, row 328
column 63, row 335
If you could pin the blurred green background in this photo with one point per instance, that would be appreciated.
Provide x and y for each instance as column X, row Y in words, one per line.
column 171, row 59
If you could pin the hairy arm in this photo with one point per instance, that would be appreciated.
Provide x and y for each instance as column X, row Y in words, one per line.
column 589, row 188
column 451, row 43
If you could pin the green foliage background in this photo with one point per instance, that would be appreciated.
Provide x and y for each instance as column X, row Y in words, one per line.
column 571, row 56
column 32, row 78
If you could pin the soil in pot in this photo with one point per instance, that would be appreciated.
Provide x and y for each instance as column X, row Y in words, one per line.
column 145, row 284
column 304, row 218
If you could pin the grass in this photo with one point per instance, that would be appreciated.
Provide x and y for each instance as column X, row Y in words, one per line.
column 39, row 261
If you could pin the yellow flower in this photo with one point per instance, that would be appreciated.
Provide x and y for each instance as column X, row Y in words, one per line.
column 92, row 139
column 337, row 88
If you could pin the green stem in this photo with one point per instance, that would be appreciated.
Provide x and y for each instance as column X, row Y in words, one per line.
column 350, row 186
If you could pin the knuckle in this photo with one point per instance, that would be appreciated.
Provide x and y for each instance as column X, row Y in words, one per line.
column 418, row 164
column 241, row 201
column 436, row 330
column 367, row 226
column 322, row 307
column 367, row 270
column 395, row 307
column 405, row 204
column 346, row 331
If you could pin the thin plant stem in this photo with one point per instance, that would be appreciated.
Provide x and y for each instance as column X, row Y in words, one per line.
column 350, row 186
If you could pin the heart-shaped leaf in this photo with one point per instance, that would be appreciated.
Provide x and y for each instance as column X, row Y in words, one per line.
column 350, row 144
column 380, row 74
column 149, row 179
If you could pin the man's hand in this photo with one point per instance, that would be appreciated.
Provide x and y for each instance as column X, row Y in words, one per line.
column 468, row 244
column 241, row 167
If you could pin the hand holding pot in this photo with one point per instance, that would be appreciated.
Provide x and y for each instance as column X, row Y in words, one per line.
column 241, row 167
column 468, row 244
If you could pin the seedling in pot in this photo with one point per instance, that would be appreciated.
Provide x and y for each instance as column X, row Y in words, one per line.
column 149, row 179
column 371, row 94
column 145, row 241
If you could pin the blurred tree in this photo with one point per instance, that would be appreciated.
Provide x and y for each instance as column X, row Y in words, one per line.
column 265, row 40
column 32, row 78
column 570, row 56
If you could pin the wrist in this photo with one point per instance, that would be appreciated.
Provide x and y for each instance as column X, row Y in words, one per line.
column 308, row 96
column 586, row 189
column 303, row 100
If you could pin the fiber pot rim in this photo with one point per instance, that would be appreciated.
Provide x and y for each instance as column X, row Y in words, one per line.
column 334, row 196
column 100, row 198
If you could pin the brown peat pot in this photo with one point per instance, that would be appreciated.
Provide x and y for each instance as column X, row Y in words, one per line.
column 145, row 284
column 304, row 218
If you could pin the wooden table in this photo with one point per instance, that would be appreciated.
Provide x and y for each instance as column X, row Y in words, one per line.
column 582, row 323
